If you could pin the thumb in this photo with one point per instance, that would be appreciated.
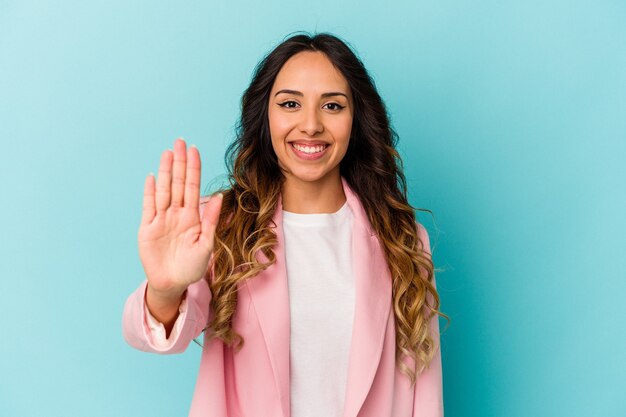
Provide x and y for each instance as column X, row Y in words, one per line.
column 210, row 217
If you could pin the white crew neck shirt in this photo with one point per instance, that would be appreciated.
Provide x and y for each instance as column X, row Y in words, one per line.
column 318, row 256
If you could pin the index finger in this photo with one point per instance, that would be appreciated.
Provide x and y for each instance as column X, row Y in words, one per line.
column 192, row 178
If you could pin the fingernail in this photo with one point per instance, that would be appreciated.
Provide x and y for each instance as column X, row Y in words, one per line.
column 193, row 146
column 220, row 195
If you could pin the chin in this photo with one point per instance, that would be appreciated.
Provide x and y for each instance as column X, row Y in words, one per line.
column 310, row 176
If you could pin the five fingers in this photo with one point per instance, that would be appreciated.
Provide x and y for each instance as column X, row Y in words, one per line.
column 177, row 184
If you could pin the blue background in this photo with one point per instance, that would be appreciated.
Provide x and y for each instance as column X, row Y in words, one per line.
column 512, row 119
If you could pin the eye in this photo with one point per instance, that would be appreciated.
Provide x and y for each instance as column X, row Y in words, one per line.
column 336, row 106
column 287, row 104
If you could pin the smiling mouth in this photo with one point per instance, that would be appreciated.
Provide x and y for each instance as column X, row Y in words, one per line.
column 310, row 150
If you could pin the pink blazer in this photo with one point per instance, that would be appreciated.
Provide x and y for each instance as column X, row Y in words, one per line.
column 255, row 380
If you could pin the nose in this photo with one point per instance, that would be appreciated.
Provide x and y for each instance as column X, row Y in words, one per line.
column 310, row 122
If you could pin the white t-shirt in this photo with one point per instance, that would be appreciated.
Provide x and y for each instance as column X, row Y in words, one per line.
column 318, row 256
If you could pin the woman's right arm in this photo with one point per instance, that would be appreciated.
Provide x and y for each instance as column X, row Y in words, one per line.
column 138, row 331
column 175, row 244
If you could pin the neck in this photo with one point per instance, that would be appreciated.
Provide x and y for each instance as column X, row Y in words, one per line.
column 306, row 197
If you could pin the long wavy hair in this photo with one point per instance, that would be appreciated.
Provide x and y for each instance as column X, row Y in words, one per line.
column 372, row 168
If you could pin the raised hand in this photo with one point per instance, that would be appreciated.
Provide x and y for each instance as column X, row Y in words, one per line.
column 175, row 244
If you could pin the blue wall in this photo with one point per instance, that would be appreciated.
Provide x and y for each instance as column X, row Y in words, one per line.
column 512, row 119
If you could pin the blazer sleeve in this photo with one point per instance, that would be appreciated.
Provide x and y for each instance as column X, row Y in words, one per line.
column 428, row 399
column 194, row 318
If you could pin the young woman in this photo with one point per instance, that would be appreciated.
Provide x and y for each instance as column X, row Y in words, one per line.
column 309, row 275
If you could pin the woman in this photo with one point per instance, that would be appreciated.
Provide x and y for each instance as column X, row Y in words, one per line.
column 310, row 276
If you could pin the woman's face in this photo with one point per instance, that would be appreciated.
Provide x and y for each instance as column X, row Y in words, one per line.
column 310, row 117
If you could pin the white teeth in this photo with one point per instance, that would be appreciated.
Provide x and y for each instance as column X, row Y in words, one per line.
column 309, row 149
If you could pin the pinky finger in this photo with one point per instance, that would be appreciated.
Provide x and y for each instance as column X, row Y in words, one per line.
column 149, row 209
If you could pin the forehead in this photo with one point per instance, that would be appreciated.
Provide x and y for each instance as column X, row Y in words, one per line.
column 310, row 72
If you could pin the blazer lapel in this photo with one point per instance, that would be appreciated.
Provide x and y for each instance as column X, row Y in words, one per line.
column 270, row 296
column 372, row 306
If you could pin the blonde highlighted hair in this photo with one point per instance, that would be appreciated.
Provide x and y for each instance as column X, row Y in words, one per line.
column 373, row 169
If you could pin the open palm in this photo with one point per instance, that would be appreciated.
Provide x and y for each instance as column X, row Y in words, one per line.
column 175, row 243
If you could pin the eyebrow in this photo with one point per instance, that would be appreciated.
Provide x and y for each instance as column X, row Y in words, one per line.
column 298, row 93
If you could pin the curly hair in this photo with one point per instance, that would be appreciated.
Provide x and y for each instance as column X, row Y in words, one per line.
column 373, row 169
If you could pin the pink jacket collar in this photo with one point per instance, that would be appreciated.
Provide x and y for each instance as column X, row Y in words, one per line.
column 269, row 293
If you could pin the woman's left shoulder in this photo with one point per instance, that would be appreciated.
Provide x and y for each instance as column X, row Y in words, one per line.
column 422, row 234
